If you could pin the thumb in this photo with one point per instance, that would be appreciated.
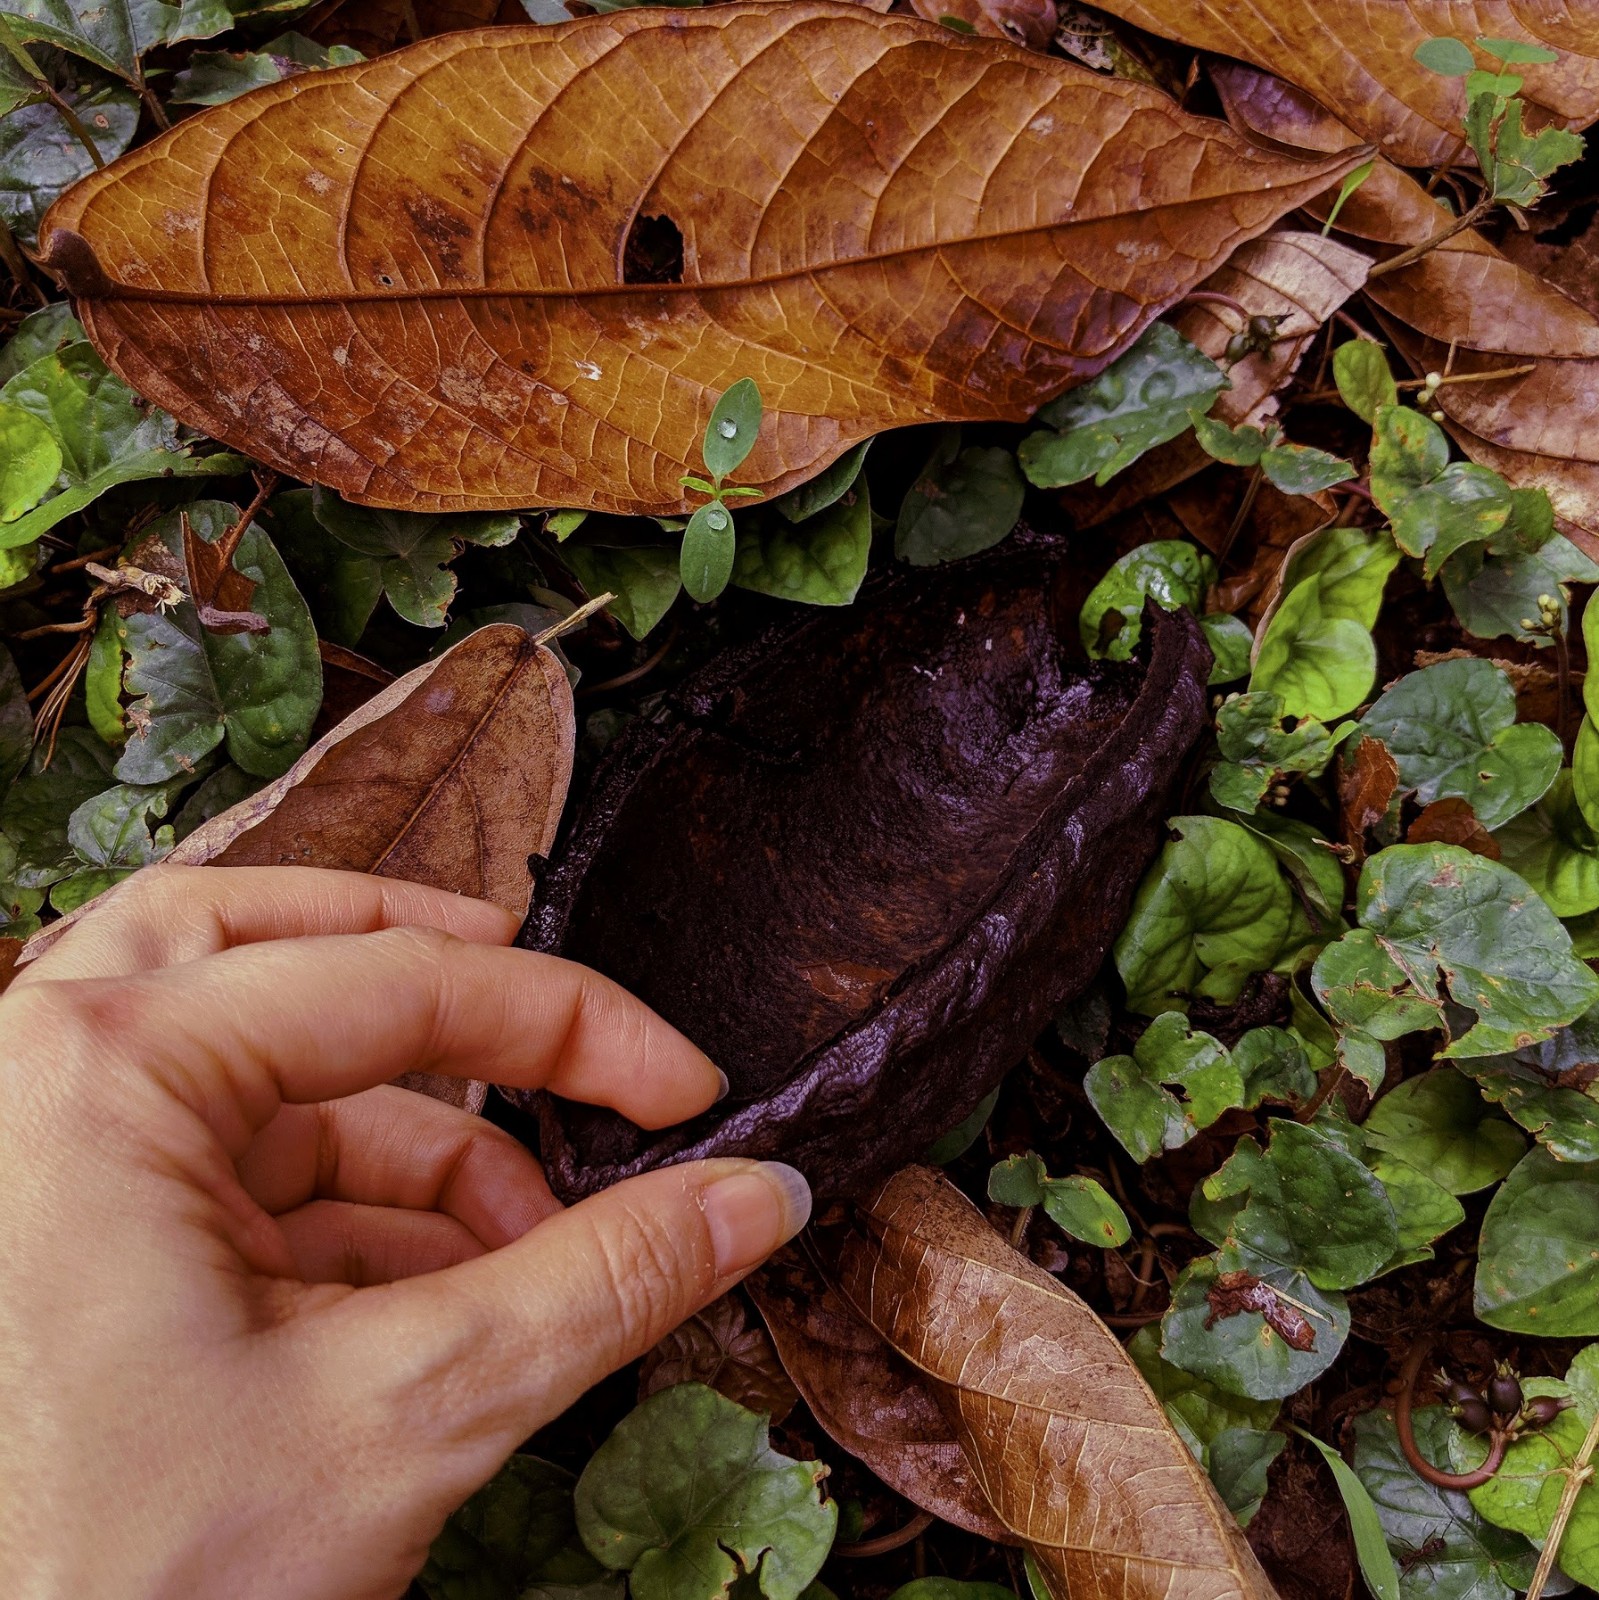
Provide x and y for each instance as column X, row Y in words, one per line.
column 484, row 1353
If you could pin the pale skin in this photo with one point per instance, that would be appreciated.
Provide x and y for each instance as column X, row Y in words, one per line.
column 265, row 1321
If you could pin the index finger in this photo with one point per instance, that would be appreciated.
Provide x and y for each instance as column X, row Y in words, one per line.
column 163, row 916
column 236, row 1035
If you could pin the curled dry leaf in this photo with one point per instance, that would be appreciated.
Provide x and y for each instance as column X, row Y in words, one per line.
column 10, row 949
column 1361, row 58
column 1367, row 783
column 1532, row 427
column 722, row 1349
column 468, row 299
column 1068, row 1446
column 860, row 861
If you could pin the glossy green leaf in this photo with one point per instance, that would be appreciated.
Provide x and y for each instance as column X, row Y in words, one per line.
column 19, row 907
column 36, row 809
column 1538, row 1257
column 734, row 426
column 829, row 485
column 1440, row 1124
column 962, row 502
column 1132, row 1096
column 709, row 543
column 1364, row 378
column 1142, row 399
column 412, row 550
column 41, row 158
column 1554, row 847
column 687, row 1494
column 947, row 1147
column 821, row 562
column 1518, row 164
column 1312, row 1206
column 102, row 681
column 951, row 1589
column 1452, row 730
column 644, row 579
column 1235, row 1349
column 16, row 722
column 1258, row 748
column 1371, row 1549
column 1082, row 1208
column 1300, row 469
column 1317, row 653
column 1171, row 572
column 1436, row 918
column 1423, row 1210
column 214, row 77
column 113, row 35
column 516, row 1539
column 1228, row 1435
column 1017, row 1180
column 1450, row 57
column 256, row 692
column 1213, row 909
column 30, row 458
column 1445, row 1549
column 111, row 837
column 1497, row 595
column 1230, row 643
column 39, row 334
column 1550, row 1088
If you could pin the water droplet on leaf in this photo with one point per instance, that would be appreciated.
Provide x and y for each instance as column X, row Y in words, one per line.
column 718, row 520
column 727, row 428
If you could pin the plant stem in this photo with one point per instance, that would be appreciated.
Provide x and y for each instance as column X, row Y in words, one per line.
column 1409, row 257
column 1422, row 1467
column 1576, row 1475
column 884, row 1542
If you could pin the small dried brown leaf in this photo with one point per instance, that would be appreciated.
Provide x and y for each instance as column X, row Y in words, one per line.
column 452, row 776
column 445, row 312
column 10, row 950
column 1453, row 821
column 1369, row 781
column 720, row 1348
column 1071, row 1449
column 1360, row 59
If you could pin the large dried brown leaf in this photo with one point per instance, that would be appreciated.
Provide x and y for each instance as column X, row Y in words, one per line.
column 1069, row 1447
column 1358, row 57
column 1536, row 428
column 409, row 279
column 452, row 776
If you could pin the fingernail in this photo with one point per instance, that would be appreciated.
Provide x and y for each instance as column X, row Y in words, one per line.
column 751, row 1213
column 722, row 1093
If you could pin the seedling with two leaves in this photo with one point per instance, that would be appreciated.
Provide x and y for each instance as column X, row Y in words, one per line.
column 709, row 541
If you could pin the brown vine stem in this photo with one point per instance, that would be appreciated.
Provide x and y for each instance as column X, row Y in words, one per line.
column 1407, row 258
column 884, row 1542
column 1422, row 1467
column 1576, row 1475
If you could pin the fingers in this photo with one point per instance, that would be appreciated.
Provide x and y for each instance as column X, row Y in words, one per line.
column 511, row 1338
column 166, row 915
column 300, row 1020
column 389, row 1147
column 334, row 1242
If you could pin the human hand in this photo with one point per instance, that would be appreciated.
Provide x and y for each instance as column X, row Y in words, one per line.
column 264, row 1322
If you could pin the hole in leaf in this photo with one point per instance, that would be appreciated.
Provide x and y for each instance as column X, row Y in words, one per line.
column 654, row 251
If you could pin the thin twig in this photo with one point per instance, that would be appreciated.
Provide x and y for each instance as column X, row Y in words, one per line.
column 78, row 562
column 1240, row 517
column 574, row 619
column 45, row 683
column 1576, row 1475
column 80, row 626
column 1407, row 258
column 1018, row 1230
column 228, row 544
column 1214, row 297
